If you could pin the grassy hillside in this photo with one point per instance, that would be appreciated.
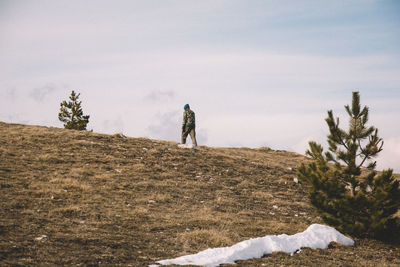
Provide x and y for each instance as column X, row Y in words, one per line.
column 70, row 197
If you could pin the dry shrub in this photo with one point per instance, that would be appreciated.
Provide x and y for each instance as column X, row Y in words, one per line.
column 66, row 212
column 69, row 183
column 204, row 238
column 82, row 142
column 139, row 213
column 246, row 184
column 153, row 151
column 167, row 175
column 160, row 197
column 49, row 158
column 154, row 198
column 139, row 167
column 262, row 195
column 205, row 217
column 248, row 213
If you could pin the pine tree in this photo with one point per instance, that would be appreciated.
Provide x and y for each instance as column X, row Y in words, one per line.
column 71, row 113
column 344, row 187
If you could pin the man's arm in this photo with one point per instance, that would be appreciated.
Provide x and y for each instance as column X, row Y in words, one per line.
column 184, row 121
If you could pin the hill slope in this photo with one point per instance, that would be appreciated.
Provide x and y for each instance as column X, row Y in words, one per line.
column 70, row 197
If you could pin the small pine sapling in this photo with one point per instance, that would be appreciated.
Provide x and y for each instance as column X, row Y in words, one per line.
column 344, row 187
column 71, row 113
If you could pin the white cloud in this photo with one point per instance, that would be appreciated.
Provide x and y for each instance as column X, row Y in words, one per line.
column 9, row 94
column 113, row 125
column 390, row 156
column 40, row 93
column 160, row 95
column 303, row 144
column 165, row 126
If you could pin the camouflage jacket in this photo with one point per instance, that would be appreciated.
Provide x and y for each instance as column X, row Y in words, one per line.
column 188, row 119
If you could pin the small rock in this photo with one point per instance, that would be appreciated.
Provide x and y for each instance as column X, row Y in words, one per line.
column 296, row 252
column 120, row 135
column 151, row 201
column 296, row 180
column 275, row 206
column 41, row 238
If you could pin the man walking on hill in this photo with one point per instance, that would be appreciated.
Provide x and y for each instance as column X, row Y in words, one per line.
column 189, row 125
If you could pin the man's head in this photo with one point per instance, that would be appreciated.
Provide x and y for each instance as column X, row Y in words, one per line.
column 186, row 107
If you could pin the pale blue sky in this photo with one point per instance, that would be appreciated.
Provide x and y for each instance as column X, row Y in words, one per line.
column 255, row 72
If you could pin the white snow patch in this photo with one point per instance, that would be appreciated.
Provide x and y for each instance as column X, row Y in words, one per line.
column 316, row 236
column 187, row 146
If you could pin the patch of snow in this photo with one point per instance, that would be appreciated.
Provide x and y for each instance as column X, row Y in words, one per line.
column 316, row 236
column 187, row 146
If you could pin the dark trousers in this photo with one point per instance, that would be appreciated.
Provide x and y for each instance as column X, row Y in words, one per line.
column 192, row 132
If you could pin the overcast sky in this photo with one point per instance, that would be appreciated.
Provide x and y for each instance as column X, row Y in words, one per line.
column 257, row 73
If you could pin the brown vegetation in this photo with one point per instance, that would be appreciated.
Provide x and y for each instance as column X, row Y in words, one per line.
column 76, row 197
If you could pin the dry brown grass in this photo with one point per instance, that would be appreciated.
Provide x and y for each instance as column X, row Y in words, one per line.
column 112, row 200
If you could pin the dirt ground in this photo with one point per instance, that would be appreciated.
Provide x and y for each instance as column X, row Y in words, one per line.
column 81, row 198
